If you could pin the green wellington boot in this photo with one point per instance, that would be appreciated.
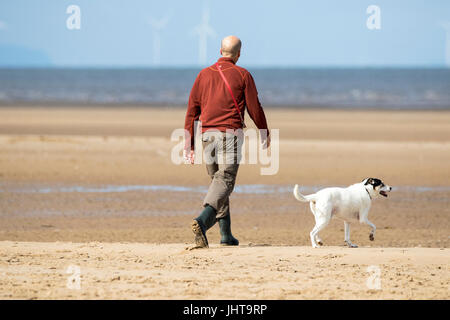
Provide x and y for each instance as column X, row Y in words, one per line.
column 201, row 224
column 225, row 231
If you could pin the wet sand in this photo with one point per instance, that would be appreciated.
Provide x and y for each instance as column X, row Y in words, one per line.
column 49, row 157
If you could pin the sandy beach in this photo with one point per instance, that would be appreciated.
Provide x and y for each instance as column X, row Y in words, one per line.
column 95, row 187
column 42, row 270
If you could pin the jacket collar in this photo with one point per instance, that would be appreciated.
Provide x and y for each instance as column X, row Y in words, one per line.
column 226, row 59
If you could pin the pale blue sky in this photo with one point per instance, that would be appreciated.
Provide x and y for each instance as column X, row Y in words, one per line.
column 116, row 33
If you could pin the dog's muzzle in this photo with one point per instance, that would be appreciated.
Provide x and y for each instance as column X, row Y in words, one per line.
column 385, row 193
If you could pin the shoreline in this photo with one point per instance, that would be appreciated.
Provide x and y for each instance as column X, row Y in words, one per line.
column 255, row 189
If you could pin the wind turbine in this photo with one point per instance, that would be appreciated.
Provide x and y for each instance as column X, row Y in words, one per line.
column 446, row 26
column 157, row 26
column 204, row 30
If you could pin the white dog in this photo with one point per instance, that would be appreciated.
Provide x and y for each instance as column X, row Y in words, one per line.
column 351, row 203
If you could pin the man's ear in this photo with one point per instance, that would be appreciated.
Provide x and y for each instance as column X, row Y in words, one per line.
column 237, row 56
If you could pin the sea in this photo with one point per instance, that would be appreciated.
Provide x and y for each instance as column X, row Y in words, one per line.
column 354, row 88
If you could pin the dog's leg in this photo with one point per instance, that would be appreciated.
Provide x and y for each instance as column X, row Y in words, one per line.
column 320, row 224
column 318, row 240
column 347, row 236
column 313, row 233
column 372, row 232
column 313, row 210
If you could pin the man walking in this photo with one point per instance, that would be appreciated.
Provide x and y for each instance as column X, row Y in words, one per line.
column 219, row 97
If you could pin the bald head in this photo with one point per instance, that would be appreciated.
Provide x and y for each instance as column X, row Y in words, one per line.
column 231, row 47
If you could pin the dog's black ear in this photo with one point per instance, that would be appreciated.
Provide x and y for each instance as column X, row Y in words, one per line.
column 376, row 182
column 368, row 181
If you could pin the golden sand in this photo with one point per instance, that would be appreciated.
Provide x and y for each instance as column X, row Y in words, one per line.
column 92, row 146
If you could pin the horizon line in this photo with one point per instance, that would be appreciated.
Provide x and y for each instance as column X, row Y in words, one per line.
column 254, row 66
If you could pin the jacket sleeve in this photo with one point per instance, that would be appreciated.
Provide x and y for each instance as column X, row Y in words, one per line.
column 254, row 108
column 192, row 114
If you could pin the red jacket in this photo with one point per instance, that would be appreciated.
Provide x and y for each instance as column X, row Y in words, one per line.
column 211, row 102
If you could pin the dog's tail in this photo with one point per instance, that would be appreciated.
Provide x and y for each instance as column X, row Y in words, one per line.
column 301, row 197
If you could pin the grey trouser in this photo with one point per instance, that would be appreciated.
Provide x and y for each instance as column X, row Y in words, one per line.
column 222, row 163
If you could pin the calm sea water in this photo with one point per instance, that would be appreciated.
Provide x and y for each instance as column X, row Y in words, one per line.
column 333, row 88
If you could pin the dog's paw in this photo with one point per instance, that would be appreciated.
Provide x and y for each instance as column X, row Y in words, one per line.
column 371, row 237
column 320, row 243
column 351, row 245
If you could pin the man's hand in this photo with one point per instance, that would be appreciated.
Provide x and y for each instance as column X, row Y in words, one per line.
column 189, row 156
